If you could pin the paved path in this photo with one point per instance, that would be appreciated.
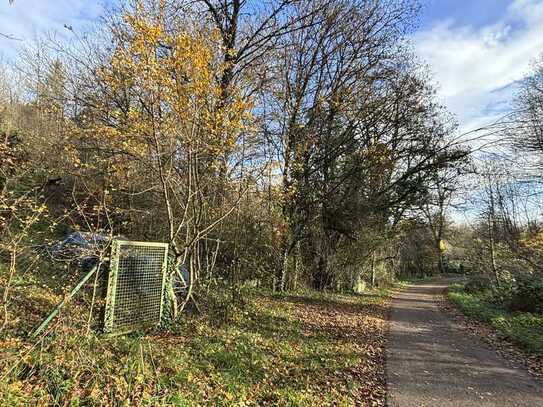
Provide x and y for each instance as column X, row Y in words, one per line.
column 432, row 362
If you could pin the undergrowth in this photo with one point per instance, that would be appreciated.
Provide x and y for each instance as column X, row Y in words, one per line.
column 525, row 329
column 304, row 349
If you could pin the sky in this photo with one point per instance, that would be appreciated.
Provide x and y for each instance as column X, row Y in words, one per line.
column 27, row 19
column 477, row 50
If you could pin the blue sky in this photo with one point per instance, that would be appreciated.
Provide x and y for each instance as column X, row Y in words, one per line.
column 475, row 12
column 476, row 49
column 27, row 19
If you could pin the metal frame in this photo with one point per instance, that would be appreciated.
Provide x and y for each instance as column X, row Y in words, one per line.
column 111, row 286
column 64, row 301
column 109, row 315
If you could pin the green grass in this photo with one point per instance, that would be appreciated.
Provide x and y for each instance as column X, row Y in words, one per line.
column 301, row 349
column 524, row 329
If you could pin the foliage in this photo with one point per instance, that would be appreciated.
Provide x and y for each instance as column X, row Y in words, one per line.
column 478, row 284
column 307, row 349
column 244, row 153
column 472, row 305
column 525, row 329
column 283, row 145
column 527, row 295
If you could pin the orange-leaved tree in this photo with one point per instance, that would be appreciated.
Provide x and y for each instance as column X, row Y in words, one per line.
column 156, row 124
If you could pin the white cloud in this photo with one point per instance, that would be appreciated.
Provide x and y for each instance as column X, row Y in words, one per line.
column 477, row 67
column 28, row 19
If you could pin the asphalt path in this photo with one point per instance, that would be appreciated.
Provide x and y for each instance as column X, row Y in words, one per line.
column 432, row 362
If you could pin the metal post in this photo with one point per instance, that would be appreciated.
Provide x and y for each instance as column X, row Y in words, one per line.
column 64, row 301
column 112, row 286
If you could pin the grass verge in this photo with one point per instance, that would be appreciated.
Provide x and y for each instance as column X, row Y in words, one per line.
column 524, row 329
column 292, row 350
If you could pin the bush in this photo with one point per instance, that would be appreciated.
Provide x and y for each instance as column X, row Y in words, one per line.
column 473, row 305
column 478, row 284
column 527, row 295
column 523, row 328
column 501, row 294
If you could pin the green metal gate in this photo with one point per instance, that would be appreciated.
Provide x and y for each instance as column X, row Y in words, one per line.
column 135, row 291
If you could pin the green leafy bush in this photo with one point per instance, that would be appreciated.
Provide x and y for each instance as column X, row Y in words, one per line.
column 525, row 329
column 527, row 295
column 478, row 284
column 473, row 306
column 501, row 294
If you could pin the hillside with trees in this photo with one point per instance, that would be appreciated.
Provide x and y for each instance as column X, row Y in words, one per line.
column 294, row 157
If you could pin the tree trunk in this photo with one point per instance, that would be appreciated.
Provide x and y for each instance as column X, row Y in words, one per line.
column 441, row 257
column 373, row 269
column 284, row 271
column 491, row 225
column 296, row 267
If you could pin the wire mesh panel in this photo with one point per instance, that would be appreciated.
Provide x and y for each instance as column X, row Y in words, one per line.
column 136, row 282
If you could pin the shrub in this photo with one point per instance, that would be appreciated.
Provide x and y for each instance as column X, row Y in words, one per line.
column 527, row 295
column 525, row 329
column 478, row 284
column 502, row 293
column 473, row 306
